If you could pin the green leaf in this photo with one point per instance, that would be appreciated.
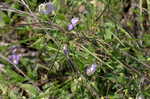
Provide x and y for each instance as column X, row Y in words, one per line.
column 3, row 19
column 30, row 89
column 15, row 76
column 108, row 34
column 109, row 30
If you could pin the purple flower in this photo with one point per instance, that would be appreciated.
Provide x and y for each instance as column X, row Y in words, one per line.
column 70, row 27
column 46, row 8
column 90, row 70
column 14, row 58
column 74, row 22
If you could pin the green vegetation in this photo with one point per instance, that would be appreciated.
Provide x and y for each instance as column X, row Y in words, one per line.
column 74, row 49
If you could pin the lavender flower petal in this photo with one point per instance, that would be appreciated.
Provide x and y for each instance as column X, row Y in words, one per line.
column 70, row 27
column 74, row 21
column 14, row 58
column 90, row 70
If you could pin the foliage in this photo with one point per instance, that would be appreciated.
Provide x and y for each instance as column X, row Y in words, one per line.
column 53, row 60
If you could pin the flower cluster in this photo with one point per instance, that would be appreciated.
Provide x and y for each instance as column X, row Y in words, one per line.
column 74, row 22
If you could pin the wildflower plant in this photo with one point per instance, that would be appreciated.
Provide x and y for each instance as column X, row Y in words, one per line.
column 57, row 59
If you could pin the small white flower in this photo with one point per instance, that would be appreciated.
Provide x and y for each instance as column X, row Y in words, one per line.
column 90, row 70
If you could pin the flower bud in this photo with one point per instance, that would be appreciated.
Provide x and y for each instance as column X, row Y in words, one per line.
column 65, row 49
